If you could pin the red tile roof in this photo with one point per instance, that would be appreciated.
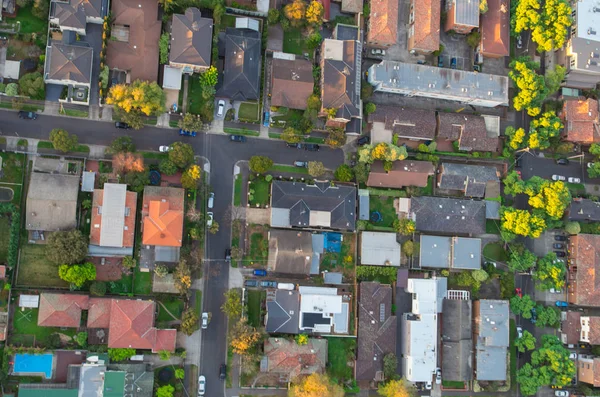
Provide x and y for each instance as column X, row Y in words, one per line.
column 426, row 25
column 581, row 121
column 383, row 22
column 594, row 335
column 61, row 310
column 403, row 173
column 162, row 213
column 571, row 328
column 584, row 286
column 495, row 29
column 99, row 313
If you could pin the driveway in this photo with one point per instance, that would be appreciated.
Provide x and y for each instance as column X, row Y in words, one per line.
column 546, row 167
column 94, row 38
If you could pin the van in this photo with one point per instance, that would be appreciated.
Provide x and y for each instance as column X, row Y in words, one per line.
column 286, row 286
column 211, row 200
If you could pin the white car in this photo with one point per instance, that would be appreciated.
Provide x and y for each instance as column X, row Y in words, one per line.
column 164, row 149
column 438, row 376
column 573, row 356
column 519, row 42
column 377, row 51
column 428, row 385
column 201, row 385
column 519, row 332
column 211, row 200
column 221, row 109
column 204, row 320
column 209, row 219
column 561, row 393
column 555, row 291
column 574, row 180
column 558, row 178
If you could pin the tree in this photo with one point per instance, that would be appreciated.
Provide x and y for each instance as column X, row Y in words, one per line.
column 165, row 391
column 61, row 140
column 181, row 154
column 183, row 277
column 295, row 12
column 167, row 167
column 53, row 341
column 546, row 126
column 190, row 122
column 179, row 373
column 522, row 306
column 163, row 46
column 361, row 172
column 480, row 275
column 521, row 222
column 32, row 84
column 526, row 342
column 516, row 137
column 550, row 272
column 189, row 321
column 483, row 6
column 547, row 316
column 315, row 385
column 344, row 173
column 314, row 41
column 336, row 137
column 273, row 16
column 77, row 275
column 554, row 78
column 208, row 78
column 302, row 339
column 68, row 247
column 408, row 248
column 520, row 258
column 370, row 107
column 531, row 86
column 316, row 169
column 396, row 388
column 551, row 197
column 404, row 226
column 572, row 228
column 137, row 180
column 548, row 24
column 98, row 288
column 314, row 13
column 260, row 164
column 128, row 262
column 594, row 170
column 125, row 162
column 214, row 228
column 164, row 355
column 291, row 135
column 161, row 270
column 232, row 306
column 122, row 144
column 595, row 149
column 381, row 151
column 120, row 354
column 103, row 77
column 243, row 337
column 12, row 89
column 81, row 339
column 191, row 177
column 473, row 39
column 513, row 184
column 140, row 97
column 390, row 363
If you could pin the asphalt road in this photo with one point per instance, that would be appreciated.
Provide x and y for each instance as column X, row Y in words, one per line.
column 222, row 155
column 546, row 167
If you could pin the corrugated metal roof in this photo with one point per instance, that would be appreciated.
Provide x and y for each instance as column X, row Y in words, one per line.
column 87, row 181
column 113, row 215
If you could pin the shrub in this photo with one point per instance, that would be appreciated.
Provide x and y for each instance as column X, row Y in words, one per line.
column 98, row 288
column 8, row 209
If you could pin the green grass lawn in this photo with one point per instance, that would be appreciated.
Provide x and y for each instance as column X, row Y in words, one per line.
column 385, row 206
column 576, row 189
column 198, row 301
column 228, row 21
column 12, row 167
column 142, row 282
column 495, row 252
column 195, row 101
column 237, row 196
column 261, row 192
column 259, row 249
column 36, row 271
column 339, row 352
column 49, row 145
column 241, row 131
column 25, row 327
column 122, row 286
column 255, row 300
column 289, row 168
column 492, row 226
column 76, row 113
column 174, row 305
column 451, row 384
column 294, row 42
column 4, row 236
column 428, row 190
column 29, row 23
column 248, row 111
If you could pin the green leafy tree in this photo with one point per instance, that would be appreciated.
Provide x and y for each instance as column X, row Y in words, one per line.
column 68, row 247
column 190, row 122
column 61, row 140
column 550, row 272
column 526, row 342
column 167, row 167
column 554, row 78
column 547, row 316
column 594, row 170
column 361, row 172
column 165, row 391
column 473, row 39
column 529, row 379
column 53, row 341
column 32, row 84
column 273, row 16
column 128, row 262
column 314, row 40
column 164, row 355
column 163, row 46
column 390, row 363
column 77, row 275
column 260, row 164
column 480, row 275
column 344, row 173
column 522, row 306
column 120, row 354
column 179, row 373
column 520, row 258
column 594, row 149
column 232, row 306
column 208, row 78
column 291, row 135
column 370, row 107
column 103, row 77
column 122, row 144
column 98, row 288
column 404, row 226
column 81, row 338
column 316, row 169
column 12, row 89
column 409, row 248
column 137, row 180
column 513, row 184
column 572, row 228
column 548, row 125
column 181, row 154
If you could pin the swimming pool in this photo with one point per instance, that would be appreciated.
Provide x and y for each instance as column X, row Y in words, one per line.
column 33, row 364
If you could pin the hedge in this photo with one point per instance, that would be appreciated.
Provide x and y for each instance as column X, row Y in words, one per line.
column 15, row 224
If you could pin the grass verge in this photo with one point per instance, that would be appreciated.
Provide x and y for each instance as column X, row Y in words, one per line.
column 289, row 168
column 241, row 131
column 76, row 113
column 237, row 195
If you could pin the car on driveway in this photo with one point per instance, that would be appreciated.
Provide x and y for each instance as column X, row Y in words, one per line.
column 201, row 385
column 561, row 393
column 558, row 178
column 221, row 108
column 268, row 284
column 562, row 162
column 560, row 254
column 438, row 376
column 555, row 291
column 377, row 51
column 301, row 164
column 519, row 42
column 440, row 62
column 428, row 385
column 209, row 219
column 27, row 115
column 122, row 125
column 222, row 371
column 251, row 283
column 363, row 140
column 312, row 147
column 204, row 320
column 237, row 138
column 573, row 356
column 560, row 237
column 558, row 246
column 260, row 272
column 519, row 332
column 561, row 304
column 573, row 180
column 164, row 149
column 183, row 132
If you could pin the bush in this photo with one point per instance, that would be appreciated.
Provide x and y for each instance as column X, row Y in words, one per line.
column 120, row 354
column 8, row 209
column 98, row 288
column 12, row 89
column 572, row 227
column 167, row 167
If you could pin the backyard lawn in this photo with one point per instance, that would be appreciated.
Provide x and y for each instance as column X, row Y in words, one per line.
column 195, row 101
column 261, row 192
column 4, row 236
column 36, row 271
column 25, row 328
column 259, row 249
column 293, row 41
column 334, row 261
column 495, row 252
column 12, row 167
column 173, row 305
column 122, row 286
column 248, row 111
column 339, row 352
column 142, row 283
column 255, row 300
column 29, row 23
column 385, row 206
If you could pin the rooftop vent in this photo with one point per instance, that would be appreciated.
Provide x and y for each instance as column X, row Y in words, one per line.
column 591, row 31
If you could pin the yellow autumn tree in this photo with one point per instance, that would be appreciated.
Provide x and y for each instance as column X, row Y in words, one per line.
column 522, row 222
column 243, row 337
column 315, row 385
column 139, row 97
column 191, row 176
column 314, row 12
column 295, row 12
column 552, row 197
column 396, row 388
column 531, row 87
column 517, row 139
column 546, row 126
column 549, row 24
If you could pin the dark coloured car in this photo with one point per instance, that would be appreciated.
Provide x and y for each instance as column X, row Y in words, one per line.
column 183, row 132
column 560, row 237
column 237, row 138
column 251, row 283
column 440, row 62
column 518, row 163
column 295, row 145
column 558, row 246
column 533, row 315
column 27, row 115
column 223, row 372
column 363, row 140
column 260, row 272
column 228, row 254
column 562, row 162
column 312, row 147
column 560, row 254
column 453, row 63
column 122, row 125
column 268, row 284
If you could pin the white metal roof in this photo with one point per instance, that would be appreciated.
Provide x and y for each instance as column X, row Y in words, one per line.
column 32, row 301
column 113, row 215
column 381, row 249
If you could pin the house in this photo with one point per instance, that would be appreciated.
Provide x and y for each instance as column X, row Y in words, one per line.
column 320, row 205
column 448, row 215
column 352, row 6
column 382, row 26
column 582, row 286
column 471, row 180
column 288, row 359
column 190, row 49
column 491, row 320
column 377, row 329
column 457, row 340
column 113, row 221
column 590, row 330
column 469, row 88
column 570, row 327
column 379, row 249
column 473, row 133
column 69, row 65
column 450, row 252
column 580, row 53
column 294, row 252
column 308, row 310
column 340, row 84
column 584, row 210
column 588, row 369
column 424, row 26
column 292, row 81
column 494, row 27
column 581, row 121
column 463, row 16
column 241, row 71
column 420, row 328
column 403, row 173
column 52, row 195
column 406, row 123
column 74, row 15
column 129, row 323
column 133, row 45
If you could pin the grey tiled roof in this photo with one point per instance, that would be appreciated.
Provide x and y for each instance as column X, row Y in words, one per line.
column 406, row 122
column 241, row 80
column 448, row 215
column 471, row 179
column 283, row 308
column 191, row 38
column 456, row 341
column 70, row 62
column 584, row 210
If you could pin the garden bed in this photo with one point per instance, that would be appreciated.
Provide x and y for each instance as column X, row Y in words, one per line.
column 257, row 246
column 259, row 191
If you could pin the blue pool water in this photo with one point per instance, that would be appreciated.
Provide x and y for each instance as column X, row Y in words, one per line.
column 33, row 364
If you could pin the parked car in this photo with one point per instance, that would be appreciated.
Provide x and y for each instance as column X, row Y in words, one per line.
column 558, row 246
column 573, row 356
column 295, row 145
column 164, row 149
column 555, row 291
column 266, row 119
column 453, row 63
column 228, row 254
column 237, row 138
column 438, row 376
column 561, row 393
column 122, row 125
column 560, row 254
column 428, row 385
column 221, row 108
column 562, row 162
column 301, row 164
column 260, row 272
column 561, row 304
column 519, row 332
column 268, row 284
column 518, row 292
column 421, row 62
column 201, row 385
column 558, row 178
column 311, row 147
column 560, row 237
column 204, row 320
column 377, row 51
column 574, row 180
column 222, row 371
column 27, row 115
column 440, row 62
column 363, row 140
column 519, row 42
column 533, row 315
column 211, row 200
column 251, row 283
column 209, row 219
column 183, row 132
